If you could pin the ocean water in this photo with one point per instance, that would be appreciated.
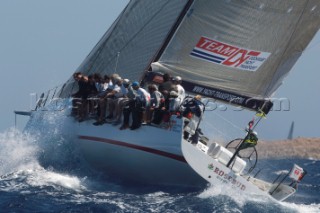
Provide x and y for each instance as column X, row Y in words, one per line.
column 52, row 177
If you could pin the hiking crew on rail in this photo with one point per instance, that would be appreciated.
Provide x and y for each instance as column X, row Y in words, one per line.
column 97, row 95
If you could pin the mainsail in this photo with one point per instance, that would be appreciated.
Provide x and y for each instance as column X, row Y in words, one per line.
column 131, row 43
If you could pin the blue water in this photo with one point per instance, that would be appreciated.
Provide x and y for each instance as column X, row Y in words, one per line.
column 53, row 177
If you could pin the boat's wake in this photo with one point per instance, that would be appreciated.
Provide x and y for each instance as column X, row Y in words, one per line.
column 306, row 208
column 251, row 203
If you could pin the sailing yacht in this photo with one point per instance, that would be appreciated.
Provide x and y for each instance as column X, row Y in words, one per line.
column 235, row 52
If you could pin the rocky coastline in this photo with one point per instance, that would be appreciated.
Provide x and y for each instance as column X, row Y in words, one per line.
column 305, row 148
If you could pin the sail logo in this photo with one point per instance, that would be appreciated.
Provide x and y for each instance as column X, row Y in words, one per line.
column 228, row 55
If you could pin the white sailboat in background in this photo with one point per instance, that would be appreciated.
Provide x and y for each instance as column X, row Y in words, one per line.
column 236, row 52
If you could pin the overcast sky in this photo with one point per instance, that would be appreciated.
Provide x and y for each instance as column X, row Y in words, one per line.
column 42, row 42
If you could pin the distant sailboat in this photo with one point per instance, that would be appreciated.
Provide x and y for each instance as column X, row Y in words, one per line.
column 236, row 52
column 290, row 135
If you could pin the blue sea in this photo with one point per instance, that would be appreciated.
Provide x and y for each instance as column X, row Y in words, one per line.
column 52, row 177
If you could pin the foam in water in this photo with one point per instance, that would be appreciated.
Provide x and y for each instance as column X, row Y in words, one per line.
column 238, row 197
column 16, row 151
column 19, row 166
column 48, row 178
column 312, row 208
column 243, row 199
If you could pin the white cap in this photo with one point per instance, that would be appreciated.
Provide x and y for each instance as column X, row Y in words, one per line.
column 117, row 79
column 174, row 94
column 177, row 78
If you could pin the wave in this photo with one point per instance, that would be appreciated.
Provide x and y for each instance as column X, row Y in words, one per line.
column 227, row 199
column 303, row 208
column 30, row 180
column 17, row 149
column 20, row 167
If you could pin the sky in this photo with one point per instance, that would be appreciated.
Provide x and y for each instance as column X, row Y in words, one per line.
column 43, row 42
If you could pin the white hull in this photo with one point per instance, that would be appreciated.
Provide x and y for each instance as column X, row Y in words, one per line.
column 146, row 155
column 149, row 154
column 216, row 173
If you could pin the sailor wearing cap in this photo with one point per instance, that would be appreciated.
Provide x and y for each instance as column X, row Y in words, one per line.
column 121, row 101
column 107, row 99
column 114, row 95
column 181, row 92
column 174, row 101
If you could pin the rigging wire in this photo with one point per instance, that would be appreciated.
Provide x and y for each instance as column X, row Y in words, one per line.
column 216, row 129
column 116, row 66
column 228, row 121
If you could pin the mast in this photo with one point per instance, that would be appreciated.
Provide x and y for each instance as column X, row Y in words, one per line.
column 173, row 30
column 168, row 38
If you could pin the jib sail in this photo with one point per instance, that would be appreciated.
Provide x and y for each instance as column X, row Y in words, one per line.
column 239, row 51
